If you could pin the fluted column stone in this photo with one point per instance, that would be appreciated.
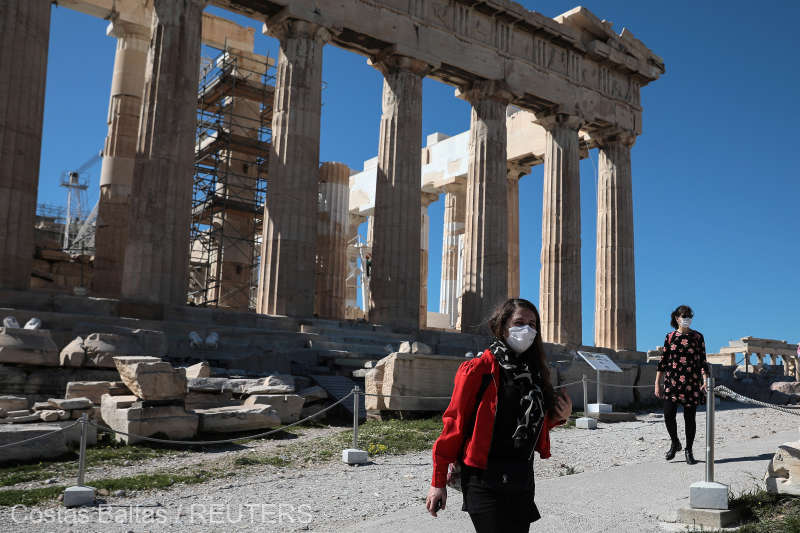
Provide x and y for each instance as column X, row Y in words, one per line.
column 24, row 39
column 515, row 172
column 424, row 238
column 157, row 253
column 119, row 155
column 560, row 276
column 452, row 241
column 331, row 270
column 395, row 281
column 286, row 281
column 615, row 282
column 485, row 278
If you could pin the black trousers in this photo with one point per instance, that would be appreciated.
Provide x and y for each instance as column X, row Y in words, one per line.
column 689, row 413
column 498, row 510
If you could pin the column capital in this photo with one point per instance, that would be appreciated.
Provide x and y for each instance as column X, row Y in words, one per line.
column 605, row 138
column 516, row 170
column 121, row 29
column 283, row 28
column 388, row 62
column 563, row 120
column 428, row 198
column 497, row 90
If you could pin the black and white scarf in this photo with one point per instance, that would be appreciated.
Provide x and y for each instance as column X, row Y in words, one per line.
column 532, row 402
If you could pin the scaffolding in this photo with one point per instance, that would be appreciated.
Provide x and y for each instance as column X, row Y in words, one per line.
column 234, row 118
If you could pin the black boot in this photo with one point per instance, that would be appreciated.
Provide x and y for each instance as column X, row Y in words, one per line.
column 690, row 460
column 675, row 447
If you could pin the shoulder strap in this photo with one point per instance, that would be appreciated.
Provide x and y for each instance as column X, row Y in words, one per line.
column 470, row 428
column 671, row 335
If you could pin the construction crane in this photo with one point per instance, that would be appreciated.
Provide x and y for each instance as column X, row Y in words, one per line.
column 76, row 184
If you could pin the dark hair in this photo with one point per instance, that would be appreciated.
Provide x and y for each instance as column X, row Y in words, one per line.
column 537, row 360
column 680, row 310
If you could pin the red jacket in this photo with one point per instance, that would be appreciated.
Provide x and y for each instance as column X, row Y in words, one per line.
column 459, row 412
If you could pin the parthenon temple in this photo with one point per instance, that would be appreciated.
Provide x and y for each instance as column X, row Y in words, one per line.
column 220, row 172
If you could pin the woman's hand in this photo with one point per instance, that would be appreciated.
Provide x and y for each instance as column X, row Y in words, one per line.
column 563, row 406
column 436, row 495
column 659, row 393
column 703, row 387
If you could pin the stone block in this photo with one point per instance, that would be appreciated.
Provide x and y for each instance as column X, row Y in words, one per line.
column 94, row 390
column 708, row 495
column 120, row 413
column 352, row 456
column 101, row 348
column 70, row 404
column 411, row 375
column 597, row 408
column 13, row 403
column 421, row 347
column 586, row 422
column 42, row 406
column 78, row 496
column 28, row 347
column 275, row 384
column 18, row 412
column 211, row 385
column 312, row 394
column 73, row 354
column 236, row 418
column 288, row 406
column 647, row 376
column 51, row 446
column 200, row 370
column 2, row 412
column 207, row 400
column 708, row 518
column 21, row 419
column 51, row 415
column 783, row 470
column 75, row 414
column 149, row 378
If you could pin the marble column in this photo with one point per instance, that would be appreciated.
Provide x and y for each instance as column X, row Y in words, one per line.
column 395, row 282
column 331, row 271
column 454, row 218
column 560, row 276
column 615, row 284
column 119, row 156
column 515, row 172
column 24, row 39
column 286, row 281
column 351, row 279
column 485, row 282
column 157, row 252
column 424, row 234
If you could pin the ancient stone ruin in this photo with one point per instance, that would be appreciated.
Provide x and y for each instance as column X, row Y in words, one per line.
column 186, row 161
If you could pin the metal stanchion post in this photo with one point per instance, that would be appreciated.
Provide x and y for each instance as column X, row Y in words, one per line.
column 80, row 494
column 82, row 458
column 586, row 422
column 356, row 390
column 710, row 429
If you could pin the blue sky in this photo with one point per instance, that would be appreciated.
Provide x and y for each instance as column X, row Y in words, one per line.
column 715, row 178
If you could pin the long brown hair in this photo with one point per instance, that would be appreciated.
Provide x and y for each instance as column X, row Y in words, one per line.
column 536, row 358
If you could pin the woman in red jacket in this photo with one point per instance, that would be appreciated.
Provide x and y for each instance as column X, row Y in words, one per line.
column 501, row 411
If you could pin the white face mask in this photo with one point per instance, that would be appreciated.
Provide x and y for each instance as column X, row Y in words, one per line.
column 520, row 338
column 684, row 322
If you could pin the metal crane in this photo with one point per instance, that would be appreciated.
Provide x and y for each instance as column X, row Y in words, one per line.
column 76, row 194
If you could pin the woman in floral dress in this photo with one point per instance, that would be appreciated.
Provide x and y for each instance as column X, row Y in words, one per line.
column 682, row 370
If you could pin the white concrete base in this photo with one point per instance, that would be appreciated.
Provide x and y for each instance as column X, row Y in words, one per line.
column 708, row 518
column 586, row 422
column 78, row 496
column 599, row 408
column 708, row 495
column 352, row 456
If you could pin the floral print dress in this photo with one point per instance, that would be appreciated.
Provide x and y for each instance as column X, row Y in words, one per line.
column 682, row 363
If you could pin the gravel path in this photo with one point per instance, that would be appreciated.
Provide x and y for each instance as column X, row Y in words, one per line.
column 334, row 496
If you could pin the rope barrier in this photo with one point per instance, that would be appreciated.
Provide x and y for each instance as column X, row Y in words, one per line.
column 225, row 441
column 621, row 386
column 567, row 384
column 40, row 436
column 724, row 392
column 406, row 396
